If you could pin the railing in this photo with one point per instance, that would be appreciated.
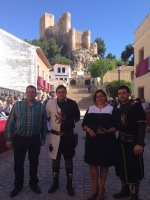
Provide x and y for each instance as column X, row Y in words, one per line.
column 143, row 67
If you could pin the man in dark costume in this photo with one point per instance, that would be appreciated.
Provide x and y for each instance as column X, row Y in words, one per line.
column 130, row 167
column 63, row 114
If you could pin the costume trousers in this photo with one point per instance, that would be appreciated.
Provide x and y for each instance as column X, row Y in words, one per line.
column 66, row 148
column 130, row 167
column 21, row 146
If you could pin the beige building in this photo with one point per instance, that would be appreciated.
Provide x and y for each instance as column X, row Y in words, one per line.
column 43, row 67
column 142, row 59
column 126, row 73
column 64, row 34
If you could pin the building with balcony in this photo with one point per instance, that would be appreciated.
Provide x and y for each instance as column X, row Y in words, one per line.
column 43, row 67
column 61, row 72
column 142, row 59
column 22, row 64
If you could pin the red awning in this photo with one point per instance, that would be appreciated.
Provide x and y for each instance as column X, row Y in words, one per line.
column 44, row 84
column 40, row 81
column 142, row 68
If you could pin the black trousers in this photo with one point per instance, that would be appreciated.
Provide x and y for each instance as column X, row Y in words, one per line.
column 21, row 146
column 129, row 167
column 66, row 148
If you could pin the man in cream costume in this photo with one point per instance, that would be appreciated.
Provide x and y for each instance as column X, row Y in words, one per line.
column 63, row 114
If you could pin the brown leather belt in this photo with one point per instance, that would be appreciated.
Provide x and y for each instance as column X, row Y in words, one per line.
column 62, row 133
column 130, row 138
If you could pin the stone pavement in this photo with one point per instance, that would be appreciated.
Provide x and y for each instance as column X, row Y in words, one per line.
column 81, row 182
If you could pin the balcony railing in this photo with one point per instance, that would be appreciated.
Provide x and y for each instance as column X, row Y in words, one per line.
column 143, row 67
column 43, row 85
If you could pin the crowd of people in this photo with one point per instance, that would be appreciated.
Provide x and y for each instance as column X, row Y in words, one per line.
column 26, row 130
column 6, row 103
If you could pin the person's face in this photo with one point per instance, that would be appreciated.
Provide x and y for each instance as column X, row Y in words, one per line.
column 100, row 98
column 61, row 94
column 123, row 95
column 143, row 100
column 30, row 94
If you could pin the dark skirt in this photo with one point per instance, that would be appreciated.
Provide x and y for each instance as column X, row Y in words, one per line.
column 129, row 167
column 100, row 150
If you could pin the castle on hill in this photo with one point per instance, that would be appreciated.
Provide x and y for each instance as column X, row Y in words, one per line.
column 64, row 34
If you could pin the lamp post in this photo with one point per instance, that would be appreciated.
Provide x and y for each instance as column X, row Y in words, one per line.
column 119, row 70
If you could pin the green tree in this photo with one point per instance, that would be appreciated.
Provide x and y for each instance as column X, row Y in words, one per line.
column 61, row 60
column 42, row 43
column 112, row 87
column 99, row 67
column 52, row 49
column 110, row 56
column 128, row 55
column 101, row 48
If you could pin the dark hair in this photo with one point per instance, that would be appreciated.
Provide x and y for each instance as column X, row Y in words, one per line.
column 124, row 87
column 60, row 87
column 31, row 86
column 101, row 91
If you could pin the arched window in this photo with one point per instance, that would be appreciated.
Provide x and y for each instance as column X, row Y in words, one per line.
column 73, row 82
column 87, row 82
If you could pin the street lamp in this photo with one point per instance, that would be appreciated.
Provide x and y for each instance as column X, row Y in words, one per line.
column 119, row 70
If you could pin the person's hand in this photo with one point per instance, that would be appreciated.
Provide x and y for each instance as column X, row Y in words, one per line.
column 9, row 144
column 138, row 149
column 91, row 132
column 42, row 142
column 101, row 131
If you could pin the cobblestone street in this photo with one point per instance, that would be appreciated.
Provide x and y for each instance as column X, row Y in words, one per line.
column 81, row 181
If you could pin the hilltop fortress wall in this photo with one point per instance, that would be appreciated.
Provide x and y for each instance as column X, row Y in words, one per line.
column 64, row 34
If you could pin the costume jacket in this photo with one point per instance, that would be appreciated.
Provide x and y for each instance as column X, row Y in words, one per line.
column 63, row 116
column 130, row 167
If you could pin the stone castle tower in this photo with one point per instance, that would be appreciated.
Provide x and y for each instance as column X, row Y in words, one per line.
column 64, row 34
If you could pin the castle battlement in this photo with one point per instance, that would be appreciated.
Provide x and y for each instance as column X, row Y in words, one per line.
column 61, row 30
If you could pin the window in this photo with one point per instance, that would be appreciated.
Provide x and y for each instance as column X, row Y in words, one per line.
column 65, row 79
column 52, row 88
column 43, row 74
column 58, row 70
column 47, row 77
column 141, row 54
column 63, row 70
column 132, row 75
column 38, row 70
column 141, row 92
column 61, row 78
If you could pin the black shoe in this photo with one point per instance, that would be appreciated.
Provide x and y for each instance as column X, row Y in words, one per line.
column 92, row 196
column 15, row 191
column 70, row 191
column 134, row 197
column 125, row 192
column 35, row 188
column 53, row 187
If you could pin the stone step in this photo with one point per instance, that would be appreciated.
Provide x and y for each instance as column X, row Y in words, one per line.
column 81, row 95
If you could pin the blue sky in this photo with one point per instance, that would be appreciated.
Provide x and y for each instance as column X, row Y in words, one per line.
column 115, row 21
